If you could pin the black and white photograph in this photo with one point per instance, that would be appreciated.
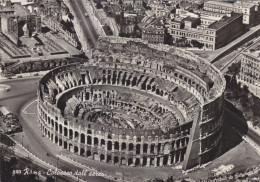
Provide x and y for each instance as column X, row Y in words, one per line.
column 129, row 90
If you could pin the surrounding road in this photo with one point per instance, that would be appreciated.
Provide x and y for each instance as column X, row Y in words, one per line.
column 80, row 12
column 22, row 93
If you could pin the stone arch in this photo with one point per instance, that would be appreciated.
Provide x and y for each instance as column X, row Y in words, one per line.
column 109, row 145
column 123, row 147
column 103, row 142
column 138, row 147
column 82, row 138
column 116, row 145
column 65, row 145
column 82, row 151
column 76, row 134
column 89, row 140
column 131, row 147
column 88, row 153
column 60, row 127
column 145, row 148
column 116, row 160
column 76, row 149
column 56, row 139
column 109, row 158
column 130, row 161
column 144, row 161
column 65, row 131
column 102, row 157
column 137, row 162
column 95, row 141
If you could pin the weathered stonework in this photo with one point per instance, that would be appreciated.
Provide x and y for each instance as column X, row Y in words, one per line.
column 135, row 104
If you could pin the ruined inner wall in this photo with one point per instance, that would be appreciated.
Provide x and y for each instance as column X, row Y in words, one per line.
column 75, row 104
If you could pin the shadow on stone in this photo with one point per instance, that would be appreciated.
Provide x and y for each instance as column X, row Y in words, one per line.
column 234, row 123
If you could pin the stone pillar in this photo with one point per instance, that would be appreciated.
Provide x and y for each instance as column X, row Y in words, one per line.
column 155, row 161
column 141, row 148
column 113, row 146
column 169, row 160
column 141, row 161
column 161, row 161
column 149, row 149
column 134, row 159
column 156, row 149
column 148, row 162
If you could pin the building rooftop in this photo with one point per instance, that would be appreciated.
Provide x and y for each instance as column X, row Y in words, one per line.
column 224, row 21
column 191, row 19
column 254, row 51
column 220, row 3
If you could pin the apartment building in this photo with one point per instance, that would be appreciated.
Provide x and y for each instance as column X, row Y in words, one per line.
column 250, row 69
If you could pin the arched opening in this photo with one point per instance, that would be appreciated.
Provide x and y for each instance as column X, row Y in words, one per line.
column 102, row 142
column 65, row 145
column 82, row 151
column 56, row 139
column 137, row 162
column 70, row 133
column 130, row 162
column 115, row 160
column 76, row 149
column 145, row 148
column 89, row 140
column 82, row 138
column 109, row 145
column 70, row 147
column 109, row 159
column 123, row 147
column 138, row 149
column 152, row 149
column 60, row 142
column 95, row 141
column 88, row 153
column 151, row 161
column 165, row 160
column 131, row 147
column 116, row 146
column 76, row 134
column 144, row 161
column 102, row 157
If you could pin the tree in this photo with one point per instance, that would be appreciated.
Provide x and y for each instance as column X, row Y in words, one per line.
column 168, row 38
column 99, row 5
column 196, row 43
column 234, row 69
column 71, row 17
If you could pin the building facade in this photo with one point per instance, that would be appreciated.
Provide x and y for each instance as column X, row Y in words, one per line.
column 135, row 104
column 250, row 71
column 213, row 34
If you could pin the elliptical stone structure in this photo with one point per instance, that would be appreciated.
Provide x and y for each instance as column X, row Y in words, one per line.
column 135, row 104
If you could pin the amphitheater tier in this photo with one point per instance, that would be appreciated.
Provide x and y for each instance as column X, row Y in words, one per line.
column 135, row 104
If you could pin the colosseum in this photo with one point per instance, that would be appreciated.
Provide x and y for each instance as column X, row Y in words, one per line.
column 135, row 104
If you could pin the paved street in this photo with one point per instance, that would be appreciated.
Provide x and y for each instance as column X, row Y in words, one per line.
column 86, row 25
